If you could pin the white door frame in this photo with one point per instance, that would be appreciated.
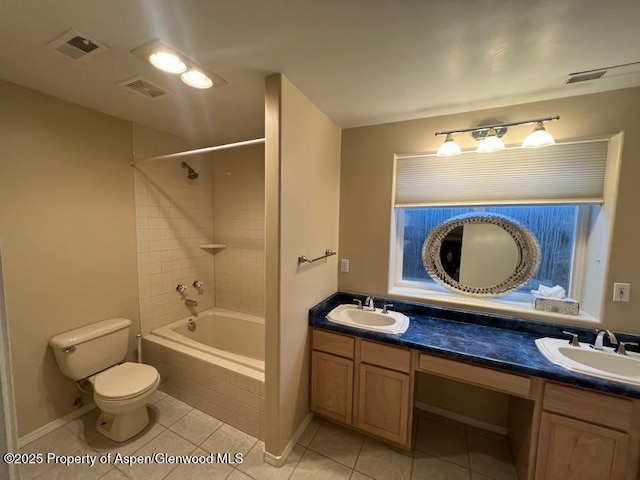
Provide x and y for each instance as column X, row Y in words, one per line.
column 7, row 402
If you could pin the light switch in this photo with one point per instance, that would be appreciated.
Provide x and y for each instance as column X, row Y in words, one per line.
column 621, row 292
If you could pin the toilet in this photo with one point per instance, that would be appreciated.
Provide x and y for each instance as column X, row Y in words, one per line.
column 120, row 390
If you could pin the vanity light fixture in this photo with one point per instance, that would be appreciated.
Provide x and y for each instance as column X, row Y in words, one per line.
column 491, row 143
column 489, row 136
column 449, row 147
column 538, row 138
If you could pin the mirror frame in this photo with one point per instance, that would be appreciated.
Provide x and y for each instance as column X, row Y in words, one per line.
column 526, row 242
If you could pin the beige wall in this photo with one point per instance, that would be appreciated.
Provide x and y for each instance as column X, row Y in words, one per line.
column 366, row 184
column 67, row 223
column 174, row 215
column 238, row 223
column 302, row 179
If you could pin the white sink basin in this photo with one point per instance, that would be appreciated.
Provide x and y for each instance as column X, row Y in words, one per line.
column 376, row 321
column 583, row 359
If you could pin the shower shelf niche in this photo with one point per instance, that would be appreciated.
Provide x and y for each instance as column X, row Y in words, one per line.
column 212, row 246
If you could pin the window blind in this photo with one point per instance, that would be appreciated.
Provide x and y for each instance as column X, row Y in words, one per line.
column 558, row 174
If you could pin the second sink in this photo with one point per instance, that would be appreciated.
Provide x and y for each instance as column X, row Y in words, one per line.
column 376, row 321
column 598, row 363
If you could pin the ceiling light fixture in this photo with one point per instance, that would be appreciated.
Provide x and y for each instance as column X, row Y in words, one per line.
column 167, row 62
column 489, row 136
column 449, row 147
column 171, row 60
column 197, row 79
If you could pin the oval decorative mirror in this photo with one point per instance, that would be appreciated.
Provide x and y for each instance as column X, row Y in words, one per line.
column 481, row 254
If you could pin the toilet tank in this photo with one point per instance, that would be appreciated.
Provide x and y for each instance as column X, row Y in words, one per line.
column 87, row 350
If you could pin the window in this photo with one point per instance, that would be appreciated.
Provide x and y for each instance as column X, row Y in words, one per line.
column 565, row 194
column 557, row 228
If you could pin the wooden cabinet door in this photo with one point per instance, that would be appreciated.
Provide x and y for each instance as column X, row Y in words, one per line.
column 573, row 450
column 332, row 386
column 383, row 403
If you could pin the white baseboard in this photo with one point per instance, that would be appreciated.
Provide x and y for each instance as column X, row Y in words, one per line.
column 279, row 460
column 50, row 427
column 474, row 422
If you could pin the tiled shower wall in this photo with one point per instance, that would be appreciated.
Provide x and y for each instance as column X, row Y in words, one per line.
column 174, row 217
column 238, row 222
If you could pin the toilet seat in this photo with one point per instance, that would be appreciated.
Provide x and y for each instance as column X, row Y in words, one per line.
column 125, row 381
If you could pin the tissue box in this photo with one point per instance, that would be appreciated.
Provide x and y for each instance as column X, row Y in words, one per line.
column 568, row 306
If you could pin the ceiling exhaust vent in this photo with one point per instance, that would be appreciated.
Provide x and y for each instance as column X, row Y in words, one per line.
column 608, row 72
column 145, row 88
column 76, row 45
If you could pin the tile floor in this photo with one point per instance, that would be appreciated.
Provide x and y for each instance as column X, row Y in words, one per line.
column 445, row 450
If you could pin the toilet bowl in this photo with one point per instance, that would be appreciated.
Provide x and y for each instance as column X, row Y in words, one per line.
column 121, row 393
column 95, row 353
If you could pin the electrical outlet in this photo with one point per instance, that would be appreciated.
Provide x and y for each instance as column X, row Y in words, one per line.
column 621, row 292
column 344, row 265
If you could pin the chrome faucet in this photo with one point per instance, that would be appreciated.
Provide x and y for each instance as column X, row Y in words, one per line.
column 369, row 305
column 598, row 344
column 190, row 303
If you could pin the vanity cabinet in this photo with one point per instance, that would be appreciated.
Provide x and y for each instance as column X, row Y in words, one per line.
column 384, row 378
column 363, row 384
column 576, row 450
column 332, row 376
column 332, row 386
column 585, row 435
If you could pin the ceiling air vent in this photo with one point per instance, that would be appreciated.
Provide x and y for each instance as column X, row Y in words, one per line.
column 76, row 45
column 608, row 72
column 145, row 88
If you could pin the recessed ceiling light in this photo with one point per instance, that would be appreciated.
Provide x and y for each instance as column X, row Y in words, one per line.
column 196, row 79
column 167, row 62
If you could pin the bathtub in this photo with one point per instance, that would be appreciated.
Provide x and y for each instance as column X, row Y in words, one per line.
column 217, row 368
column 238, row 337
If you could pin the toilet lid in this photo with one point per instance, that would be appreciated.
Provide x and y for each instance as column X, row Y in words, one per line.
column 126, row 380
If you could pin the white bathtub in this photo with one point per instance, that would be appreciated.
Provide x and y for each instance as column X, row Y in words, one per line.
column 218, row 368
column 237, row 337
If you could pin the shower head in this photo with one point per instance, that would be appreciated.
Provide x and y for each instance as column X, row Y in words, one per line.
column 192, row 175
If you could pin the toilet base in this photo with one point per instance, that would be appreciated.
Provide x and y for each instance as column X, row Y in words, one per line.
column 123, row 426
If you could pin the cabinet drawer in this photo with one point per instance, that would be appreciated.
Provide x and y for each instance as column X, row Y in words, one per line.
column 475, row 375
column 594, row 407
column 333, row 343
column 385, row 356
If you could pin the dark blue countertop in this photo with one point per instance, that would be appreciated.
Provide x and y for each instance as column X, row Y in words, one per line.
column 495, row 341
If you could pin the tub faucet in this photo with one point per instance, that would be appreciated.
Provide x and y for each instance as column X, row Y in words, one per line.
column 598, row 344
column 190, row 303
column 369, row 305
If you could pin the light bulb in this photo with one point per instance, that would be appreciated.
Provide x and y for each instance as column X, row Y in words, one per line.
column 490, row 143
column 196, row 79
column 538, row 138
column 167, row 62
column 449, row 147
